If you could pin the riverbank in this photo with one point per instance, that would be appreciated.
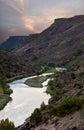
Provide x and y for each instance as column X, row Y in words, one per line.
column 5, row 93
column 5, row 90
column 18, row 77
column 65, row 109
column 37, row 81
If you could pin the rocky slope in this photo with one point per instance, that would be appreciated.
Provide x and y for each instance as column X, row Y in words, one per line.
column 14, row 66
column 71, row 122
column 62, row 42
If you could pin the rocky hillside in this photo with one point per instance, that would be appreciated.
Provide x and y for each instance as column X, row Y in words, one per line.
column 15, row 66
column 62, row 42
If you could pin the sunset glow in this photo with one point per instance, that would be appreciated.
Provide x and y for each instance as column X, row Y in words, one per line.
column 33, row 16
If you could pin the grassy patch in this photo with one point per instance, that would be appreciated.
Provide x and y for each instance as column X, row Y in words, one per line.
column 36, row 82
column 50, row 70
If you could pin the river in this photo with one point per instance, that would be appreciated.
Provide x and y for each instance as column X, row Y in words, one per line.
column 25, row 100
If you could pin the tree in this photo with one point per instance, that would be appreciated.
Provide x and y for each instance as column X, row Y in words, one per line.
column 36, row 116
column 6, row 125
column 43, row 106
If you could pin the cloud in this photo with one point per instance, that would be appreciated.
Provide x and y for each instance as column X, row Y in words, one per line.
column 14, row 4
column 12, row 30
column 22, row 3
column 21, row 17
column 28, row 23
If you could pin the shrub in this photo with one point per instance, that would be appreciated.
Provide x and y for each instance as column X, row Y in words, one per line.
column 78, row 85
column 8, row 91
column 43, row 106
column 6, row 125
column 36, row 116
column 68, row 106
column 73, row 76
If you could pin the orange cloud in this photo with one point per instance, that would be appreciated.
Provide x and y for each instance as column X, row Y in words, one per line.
column 31, row 23
column 12, row 30
column 28, row 23
column 22, row 2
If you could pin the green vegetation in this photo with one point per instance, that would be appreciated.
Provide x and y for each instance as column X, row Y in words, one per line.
column 5, row 92
column 76, row 53
column 50, row 70
column 17, row 78
column 56, row 90
column 79, row 85
column 36, row 82
column 67, row 96
column 4, row 99
column 36, row 116
column 68, row 106
column 6, row 125
column 74, row 67
column 12, row 66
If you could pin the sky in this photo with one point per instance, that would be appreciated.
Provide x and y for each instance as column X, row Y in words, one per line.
column 23, row 17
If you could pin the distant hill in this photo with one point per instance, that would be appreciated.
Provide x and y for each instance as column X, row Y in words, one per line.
column 15, row 41
column 62, row 42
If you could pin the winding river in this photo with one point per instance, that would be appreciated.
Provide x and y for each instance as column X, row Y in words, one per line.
column 25, row 100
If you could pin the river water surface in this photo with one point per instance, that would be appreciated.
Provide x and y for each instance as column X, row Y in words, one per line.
column 25, row 100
